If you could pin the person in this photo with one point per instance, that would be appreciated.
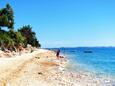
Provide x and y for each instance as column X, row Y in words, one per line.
column 57, row 53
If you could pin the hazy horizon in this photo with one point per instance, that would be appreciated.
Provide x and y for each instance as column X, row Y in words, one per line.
column 83, row 47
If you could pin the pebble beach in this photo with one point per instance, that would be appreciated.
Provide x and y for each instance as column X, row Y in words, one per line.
column 42, row 68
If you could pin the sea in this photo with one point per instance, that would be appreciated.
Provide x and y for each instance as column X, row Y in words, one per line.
column 96, row 60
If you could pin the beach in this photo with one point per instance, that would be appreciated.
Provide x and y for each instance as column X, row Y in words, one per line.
column 57, row 43
column 32, row 69
column 42, row 68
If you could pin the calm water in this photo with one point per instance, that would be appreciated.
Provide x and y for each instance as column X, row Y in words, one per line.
column 100, row 61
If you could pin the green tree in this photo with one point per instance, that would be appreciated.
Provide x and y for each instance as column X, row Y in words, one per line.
column 17, row 37
column 7, row 17
column 12, row 38
column 30, row 36
column 5, row 40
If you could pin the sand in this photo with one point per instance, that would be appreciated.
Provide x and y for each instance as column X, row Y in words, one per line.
column 32, row 69
column 42, row 68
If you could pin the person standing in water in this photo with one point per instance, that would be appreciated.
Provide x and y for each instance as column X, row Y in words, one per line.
column 57, row 53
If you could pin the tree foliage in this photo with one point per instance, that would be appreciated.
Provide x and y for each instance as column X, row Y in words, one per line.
column 16, row 37
column 5, row 40
column 30, row 36
column 24, row 35
column 7, row 17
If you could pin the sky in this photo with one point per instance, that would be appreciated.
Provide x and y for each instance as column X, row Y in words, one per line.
column 67, row 23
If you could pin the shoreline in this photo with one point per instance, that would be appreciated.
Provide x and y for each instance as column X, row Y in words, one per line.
column 90, row 78
column 42, row 68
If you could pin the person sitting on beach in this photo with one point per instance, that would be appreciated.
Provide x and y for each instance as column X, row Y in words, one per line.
column 57, row 53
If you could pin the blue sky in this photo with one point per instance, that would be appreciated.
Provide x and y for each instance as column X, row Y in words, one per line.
column 67, row 23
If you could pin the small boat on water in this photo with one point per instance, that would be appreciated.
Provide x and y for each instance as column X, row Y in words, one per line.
column 87, row 51
column 72, row 51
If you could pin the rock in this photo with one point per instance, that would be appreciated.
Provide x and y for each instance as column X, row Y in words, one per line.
column 40, row 73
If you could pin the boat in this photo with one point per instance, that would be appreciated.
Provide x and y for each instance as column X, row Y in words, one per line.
column 87, row 51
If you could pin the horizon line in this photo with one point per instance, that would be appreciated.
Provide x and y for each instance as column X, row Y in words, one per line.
column 78, row 46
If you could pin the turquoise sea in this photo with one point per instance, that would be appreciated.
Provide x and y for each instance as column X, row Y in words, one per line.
column 98, row 60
